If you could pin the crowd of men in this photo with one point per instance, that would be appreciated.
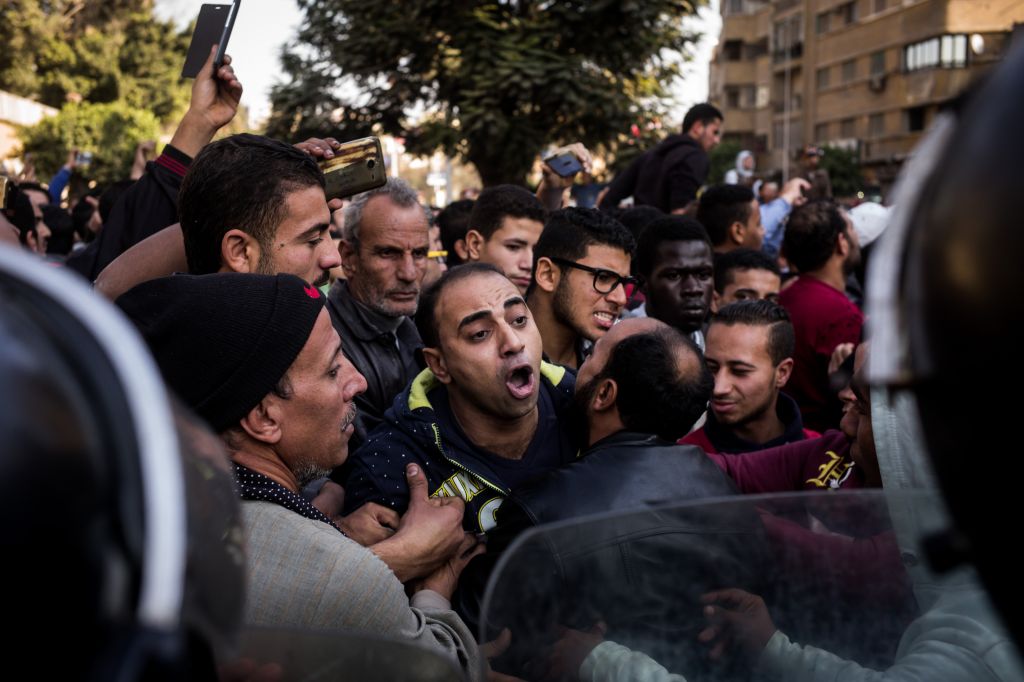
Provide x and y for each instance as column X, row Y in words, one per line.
column 393, row 426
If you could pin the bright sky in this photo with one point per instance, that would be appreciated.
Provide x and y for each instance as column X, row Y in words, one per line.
column 263, row 26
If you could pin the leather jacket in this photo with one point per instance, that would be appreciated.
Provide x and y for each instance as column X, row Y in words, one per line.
column 641, row 573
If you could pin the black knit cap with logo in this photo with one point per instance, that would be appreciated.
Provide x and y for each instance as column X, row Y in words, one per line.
column 223, row 341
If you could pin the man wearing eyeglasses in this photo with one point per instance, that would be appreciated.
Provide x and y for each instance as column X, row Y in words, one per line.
column 580, row 275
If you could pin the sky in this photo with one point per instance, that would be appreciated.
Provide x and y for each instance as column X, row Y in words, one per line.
column 263, row 26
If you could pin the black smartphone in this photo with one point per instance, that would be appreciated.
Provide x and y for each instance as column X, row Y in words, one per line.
column 213, row 27
column 564, row 164
column 357, row 166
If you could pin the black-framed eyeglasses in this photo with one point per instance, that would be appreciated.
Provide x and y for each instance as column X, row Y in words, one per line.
column 605, row 281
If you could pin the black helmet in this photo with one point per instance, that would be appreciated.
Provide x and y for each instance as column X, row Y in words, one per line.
column 945, row 308
column 121, row 545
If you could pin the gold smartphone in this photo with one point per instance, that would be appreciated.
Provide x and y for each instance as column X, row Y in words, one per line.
column 357, row 166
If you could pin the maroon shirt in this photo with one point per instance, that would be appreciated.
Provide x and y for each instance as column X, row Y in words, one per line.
column 823, row 317
column 815, row 464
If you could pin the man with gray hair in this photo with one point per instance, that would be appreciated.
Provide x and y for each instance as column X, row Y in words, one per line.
column 384, row 254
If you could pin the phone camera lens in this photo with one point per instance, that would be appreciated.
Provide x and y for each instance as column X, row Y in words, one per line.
column 370, row 164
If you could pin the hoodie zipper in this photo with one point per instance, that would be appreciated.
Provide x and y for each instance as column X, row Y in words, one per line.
column 437, row 442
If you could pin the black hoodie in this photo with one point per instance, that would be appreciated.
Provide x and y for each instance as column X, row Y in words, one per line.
column 666, row 177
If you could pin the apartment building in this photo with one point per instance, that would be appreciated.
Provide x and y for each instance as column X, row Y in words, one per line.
column 866, row 75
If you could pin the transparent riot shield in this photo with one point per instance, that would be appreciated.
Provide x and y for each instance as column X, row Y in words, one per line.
column 792, row 587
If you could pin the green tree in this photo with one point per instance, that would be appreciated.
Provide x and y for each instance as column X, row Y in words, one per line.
column 97, row 52
column 110, row 131
column 843, row 171
column 491, row 81
column 111, row 67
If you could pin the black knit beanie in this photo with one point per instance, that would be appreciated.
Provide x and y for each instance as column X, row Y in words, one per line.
column 223, row 341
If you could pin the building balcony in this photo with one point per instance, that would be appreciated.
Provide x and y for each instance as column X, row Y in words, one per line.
column 737, row 73
column 894, row 147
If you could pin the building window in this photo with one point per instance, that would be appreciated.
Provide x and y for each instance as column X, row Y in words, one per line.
column 821, row 23
column 915, row 119
column 880, row 5
column 953, row 53
column 876, row 125
column 821, row 132
column 788, row 38
column 822, row 78
column 734, row 7
column 732, row 97
column 948, row 52
column 732, row 50
column 847, row 13
column 878, row 63
column 748, row 96
column 848, row 127
column 849, row 70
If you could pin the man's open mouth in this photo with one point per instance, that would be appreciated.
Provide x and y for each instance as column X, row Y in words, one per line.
column 520, row 382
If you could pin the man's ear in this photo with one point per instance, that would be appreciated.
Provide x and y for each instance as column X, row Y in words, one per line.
column 435, row 362
column 605, row 396
column 460, row 249
column 263, row 422
column 737, row 232
column 474, row 245
column 842, row 244
column 349, row 253
column 783, row 372
column 547, row 274
column 239, row 251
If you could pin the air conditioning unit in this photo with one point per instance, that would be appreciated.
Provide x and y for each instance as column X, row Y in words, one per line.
column 877, row 82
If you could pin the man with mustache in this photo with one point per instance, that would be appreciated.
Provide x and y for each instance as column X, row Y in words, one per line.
column 257, row 358
column 384, row 249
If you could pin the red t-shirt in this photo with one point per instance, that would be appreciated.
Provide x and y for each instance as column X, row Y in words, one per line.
column 823, row 317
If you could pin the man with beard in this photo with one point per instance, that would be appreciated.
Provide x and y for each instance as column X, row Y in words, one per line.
column 580, row 274
column 674, row 261
column 253, row 204
column 749, row 352
column 257, row 358
column 642, row 388
column 384, row 253
column 822, row 245
column 483, row 417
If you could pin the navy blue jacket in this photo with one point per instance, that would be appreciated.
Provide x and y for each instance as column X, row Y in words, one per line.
column 411, row 432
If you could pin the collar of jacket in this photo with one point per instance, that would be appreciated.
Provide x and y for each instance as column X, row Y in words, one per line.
column 425, row 381
column 728, row 442
column 625, row 437
column 357, row 321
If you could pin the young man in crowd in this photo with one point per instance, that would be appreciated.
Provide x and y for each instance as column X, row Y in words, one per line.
column 669, row 176
column 485, row 416
column 674, row 263
column 745, row 275
column 731, row 216
column 453, row 222
column 581, row 271
column 504, row 227
column 749, row 352
column 821, row 245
